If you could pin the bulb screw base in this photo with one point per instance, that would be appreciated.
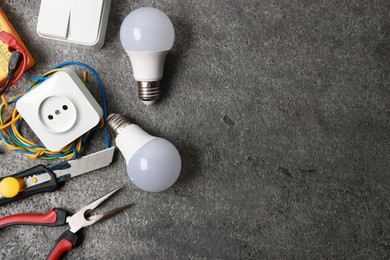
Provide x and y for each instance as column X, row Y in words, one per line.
column 148, row 91
column 117, row 122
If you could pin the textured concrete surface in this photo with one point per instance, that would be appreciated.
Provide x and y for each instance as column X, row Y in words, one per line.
column 280, row 110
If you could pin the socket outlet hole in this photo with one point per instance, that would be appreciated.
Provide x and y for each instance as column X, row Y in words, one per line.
column 65, row 107
column 54, row 118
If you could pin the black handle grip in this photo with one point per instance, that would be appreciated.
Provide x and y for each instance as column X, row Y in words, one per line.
column 50, row 185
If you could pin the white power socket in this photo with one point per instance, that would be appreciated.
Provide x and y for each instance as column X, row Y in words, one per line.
column 60, row 109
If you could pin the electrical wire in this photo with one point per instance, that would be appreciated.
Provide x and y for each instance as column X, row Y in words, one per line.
column 10, row 126
column 13, row 46
column 24, row 67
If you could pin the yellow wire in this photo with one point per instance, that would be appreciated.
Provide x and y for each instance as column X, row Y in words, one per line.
column 85, row 76
column 4, row 102
column 10, row 123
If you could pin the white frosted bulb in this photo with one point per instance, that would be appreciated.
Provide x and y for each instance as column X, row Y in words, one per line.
column 147, row 35
column 153, row 163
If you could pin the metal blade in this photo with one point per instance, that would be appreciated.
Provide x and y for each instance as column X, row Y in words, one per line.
column 94, row 204
column 78, row 220
column 87, row 163
column 99, row 217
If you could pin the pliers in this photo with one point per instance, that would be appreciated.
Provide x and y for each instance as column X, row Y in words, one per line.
column 59, row 217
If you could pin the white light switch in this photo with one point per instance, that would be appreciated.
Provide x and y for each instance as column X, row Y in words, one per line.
column 76, row 21
column 84, row 20
column 54, row 18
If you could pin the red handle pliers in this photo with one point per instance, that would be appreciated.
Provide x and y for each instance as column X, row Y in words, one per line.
column 59, row 217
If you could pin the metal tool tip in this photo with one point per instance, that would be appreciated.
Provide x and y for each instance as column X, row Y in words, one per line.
column 113, row 212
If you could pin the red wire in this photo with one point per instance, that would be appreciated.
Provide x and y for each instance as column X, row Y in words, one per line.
column 13, row 44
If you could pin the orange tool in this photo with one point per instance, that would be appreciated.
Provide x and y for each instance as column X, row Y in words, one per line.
column 5, row 55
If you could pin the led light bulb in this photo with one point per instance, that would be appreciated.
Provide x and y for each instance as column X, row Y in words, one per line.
column 147, row 35
column 153, row 163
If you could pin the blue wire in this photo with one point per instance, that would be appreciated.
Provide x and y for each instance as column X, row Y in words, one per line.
column 101, row 89
column 4, row 138
column 23, row 152
column 39, row 78
column 74, row 150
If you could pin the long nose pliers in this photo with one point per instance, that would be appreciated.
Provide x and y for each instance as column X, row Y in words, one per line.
column 59, row 217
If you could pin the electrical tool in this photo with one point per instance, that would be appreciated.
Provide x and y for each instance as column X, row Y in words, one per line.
column 40, row 178
column 60, row 217
column 11, row 48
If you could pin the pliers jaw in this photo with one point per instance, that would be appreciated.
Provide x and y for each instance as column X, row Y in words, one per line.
column 82, row 219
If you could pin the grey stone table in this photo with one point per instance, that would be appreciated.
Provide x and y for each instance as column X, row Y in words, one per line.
column 280, row 110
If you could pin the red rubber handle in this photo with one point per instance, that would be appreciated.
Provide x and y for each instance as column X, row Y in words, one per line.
column 63, row 244
column 48, row 218
column 62, row 247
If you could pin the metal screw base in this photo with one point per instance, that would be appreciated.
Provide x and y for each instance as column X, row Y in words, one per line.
column 117, row 122
column 148, row 91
